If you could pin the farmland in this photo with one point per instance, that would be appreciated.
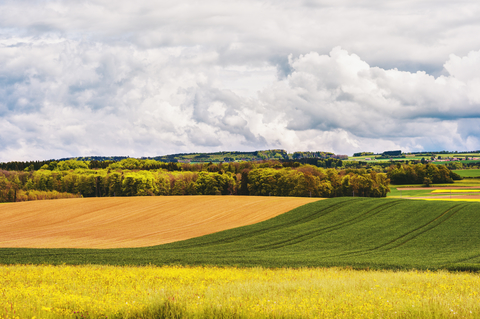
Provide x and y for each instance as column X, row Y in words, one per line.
column 356, row 232
column 211, row 292
column 468, row 172
column 451, row 192
column 269, row 269
column 131, row 222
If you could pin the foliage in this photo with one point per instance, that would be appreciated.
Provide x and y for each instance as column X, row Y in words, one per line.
column 362, row 154
column 419, row 173
column 24, row 196
column 133, row 177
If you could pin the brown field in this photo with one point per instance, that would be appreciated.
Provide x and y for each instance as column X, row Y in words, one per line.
column 114, row 222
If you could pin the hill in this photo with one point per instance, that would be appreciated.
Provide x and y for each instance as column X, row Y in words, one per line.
column 357, row 232
column 131, row 222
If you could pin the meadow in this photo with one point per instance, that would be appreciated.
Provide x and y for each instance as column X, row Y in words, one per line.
column 470, row 173
column 212, row 292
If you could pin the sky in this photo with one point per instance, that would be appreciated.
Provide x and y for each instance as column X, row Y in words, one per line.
column 148, row 78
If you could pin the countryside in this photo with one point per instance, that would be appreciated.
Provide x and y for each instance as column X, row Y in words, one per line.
column 240, row 159
column 271, row 238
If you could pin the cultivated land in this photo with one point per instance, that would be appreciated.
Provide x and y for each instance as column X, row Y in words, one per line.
column 91, row 291
column 113, row 222
column 357, row 232
column 468, row 172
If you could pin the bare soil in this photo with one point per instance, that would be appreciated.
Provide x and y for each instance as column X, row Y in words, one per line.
column 114, row 222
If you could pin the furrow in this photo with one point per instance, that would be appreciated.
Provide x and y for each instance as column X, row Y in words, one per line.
column 323, row 231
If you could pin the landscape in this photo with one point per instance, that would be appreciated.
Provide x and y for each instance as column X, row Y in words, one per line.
column 185, row 159
column 271, row 238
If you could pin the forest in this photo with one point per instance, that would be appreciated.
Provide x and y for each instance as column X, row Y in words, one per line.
column 421, row 174
column 148, row 177
column 136, row 177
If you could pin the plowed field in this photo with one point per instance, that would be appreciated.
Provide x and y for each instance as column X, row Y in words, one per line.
column 115, row 222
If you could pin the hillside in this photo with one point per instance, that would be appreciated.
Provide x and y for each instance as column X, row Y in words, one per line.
column 131, row 222
column 358, row 232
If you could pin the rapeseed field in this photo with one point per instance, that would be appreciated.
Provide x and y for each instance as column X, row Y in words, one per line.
column 45, row 291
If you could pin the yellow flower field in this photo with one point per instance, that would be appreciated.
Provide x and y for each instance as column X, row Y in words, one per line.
column 211, row 292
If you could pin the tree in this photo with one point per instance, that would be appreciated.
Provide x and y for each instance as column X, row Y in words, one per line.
column 427, row 181
column 207, row 184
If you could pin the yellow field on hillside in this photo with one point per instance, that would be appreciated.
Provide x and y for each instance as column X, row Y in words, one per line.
column 114, row 222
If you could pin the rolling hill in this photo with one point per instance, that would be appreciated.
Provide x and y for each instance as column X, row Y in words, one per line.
column 114, row 222
column 356, row 232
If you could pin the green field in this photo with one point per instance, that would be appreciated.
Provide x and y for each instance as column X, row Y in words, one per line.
column 394, row 192
column 468, row 182
column 468, row 172
column 398, row 191
column 356, row 232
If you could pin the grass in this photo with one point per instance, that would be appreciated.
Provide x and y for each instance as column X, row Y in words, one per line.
column 354, row 232
column 468, row 182
column 460, row 161
column 468, row 172
column 395, row 192
column 429, row 192
column 455, row 191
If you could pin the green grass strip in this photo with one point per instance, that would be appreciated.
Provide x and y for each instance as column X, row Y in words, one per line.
column 456, row 191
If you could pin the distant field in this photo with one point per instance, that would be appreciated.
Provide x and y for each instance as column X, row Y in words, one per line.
column 468, row 182
column 113, row 222
column 399, row 192
column 462, row 161
column 441, row 191
column 468, row 172
column 357, row 232
column 456, row 190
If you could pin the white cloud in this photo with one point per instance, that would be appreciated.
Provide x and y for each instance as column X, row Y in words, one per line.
column 144, row 78
column 342, row 91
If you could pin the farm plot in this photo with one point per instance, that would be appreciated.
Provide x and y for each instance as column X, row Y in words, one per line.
column 468, row 172
column 131, row 222
column 356, row 232
column 225, row 292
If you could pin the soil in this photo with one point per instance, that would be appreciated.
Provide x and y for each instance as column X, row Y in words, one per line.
column 114, row 222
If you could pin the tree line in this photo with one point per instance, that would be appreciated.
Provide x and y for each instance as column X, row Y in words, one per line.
column 421, row 174
column 133, row 177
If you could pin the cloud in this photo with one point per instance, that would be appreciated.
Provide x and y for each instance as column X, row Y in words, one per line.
column 340, row 91
column 405, row 34
column 143, row 78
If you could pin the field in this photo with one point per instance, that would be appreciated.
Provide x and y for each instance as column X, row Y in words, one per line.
column 355, row 232
column 113, row 222
column 212, row 292
column 468, row 172
column 253, row 271
column 443, row 192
